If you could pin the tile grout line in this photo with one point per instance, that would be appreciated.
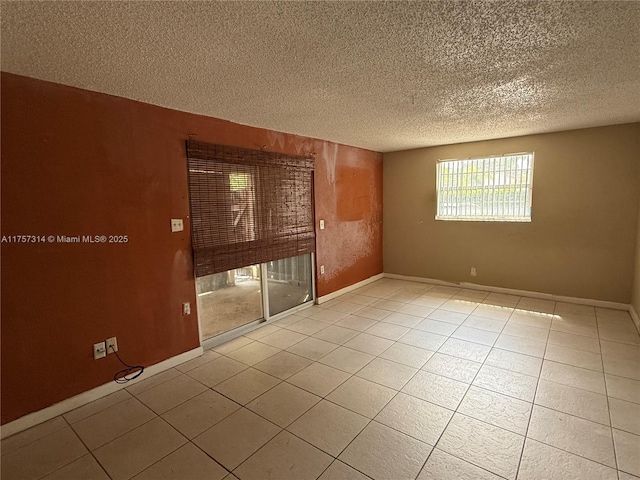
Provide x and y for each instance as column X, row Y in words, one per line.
column 119, row 436
column 37, row 439
column 172, row 451
column 458, row 406
column 189, row 441
column 606, row 390
column 533, row 402
column 154, row 386
column 122, row 434
column 99, row 411
column 85, row 446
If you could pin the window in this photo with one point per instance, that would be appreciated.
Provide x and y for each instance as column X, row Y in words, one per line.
column 493, row 189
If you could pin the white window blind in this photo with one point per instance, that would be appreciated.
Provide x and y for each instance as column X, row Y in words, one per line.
column 493, row 189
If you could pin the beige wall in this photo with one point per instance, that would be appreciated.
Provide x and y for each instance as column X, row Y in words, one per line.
column 582, row 239
column 635, row 300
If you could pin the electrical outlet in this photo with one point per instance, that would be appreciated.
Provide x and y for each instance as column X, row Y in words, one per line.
column 176, row 225
column 99, row 350
column 474, row 272
column 321, row 269
column 186, row 308
column 112, row 345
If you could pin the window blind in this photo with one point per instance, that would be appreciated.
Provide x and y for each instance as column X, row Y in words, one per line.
column 248, row 206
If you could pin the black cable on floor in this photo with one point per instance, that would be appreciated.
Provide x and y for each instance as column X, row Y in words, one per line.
column 122, row 375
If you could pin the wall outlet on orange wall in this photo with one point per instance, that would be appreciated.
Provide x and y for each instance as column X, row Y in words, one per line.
column 99, row 350
column 176, row 225
column 186, row 308
column 112, row 345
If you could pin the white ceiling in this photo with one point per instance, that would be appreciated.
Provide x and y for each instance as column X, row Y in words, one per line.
column 380, row 75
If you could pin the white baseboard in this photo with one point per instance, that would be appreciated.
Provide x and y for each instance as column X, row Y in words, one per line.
column 420, row 279
column 83, row 398
column 511, row 291
column 634, row 316
column 342, row 291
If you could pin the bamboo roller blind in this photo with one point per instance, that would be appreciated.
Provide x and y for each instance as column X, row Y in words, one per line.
column 248, row 206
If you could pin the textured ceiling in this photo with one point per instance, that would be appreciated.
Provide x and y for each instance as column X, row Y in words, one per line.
column 380, row 75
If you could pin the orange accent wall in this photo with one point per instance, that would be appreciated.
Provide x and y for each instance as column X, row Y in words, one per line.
column 76, row 162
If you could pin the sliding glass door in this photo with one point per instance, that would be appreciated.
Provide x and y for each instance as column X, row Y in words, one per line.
column 289, row 283
column 229, row 300
column 232, row 299
column 252, row 232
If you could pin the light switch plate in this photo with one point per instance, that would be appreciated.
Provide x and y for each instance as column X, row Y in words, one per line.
column 321, row 224
column 176, row 225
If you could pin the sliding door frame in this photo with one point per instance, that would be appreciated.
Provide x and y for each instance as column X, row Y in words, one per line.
column 267, row 318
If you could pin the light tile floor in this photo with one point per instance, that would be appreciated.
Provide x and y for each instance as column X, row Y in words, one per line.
column 396, row 380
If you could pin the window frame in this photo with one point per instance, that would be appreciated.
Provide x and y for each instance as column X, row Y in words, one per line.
column 526, row 188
